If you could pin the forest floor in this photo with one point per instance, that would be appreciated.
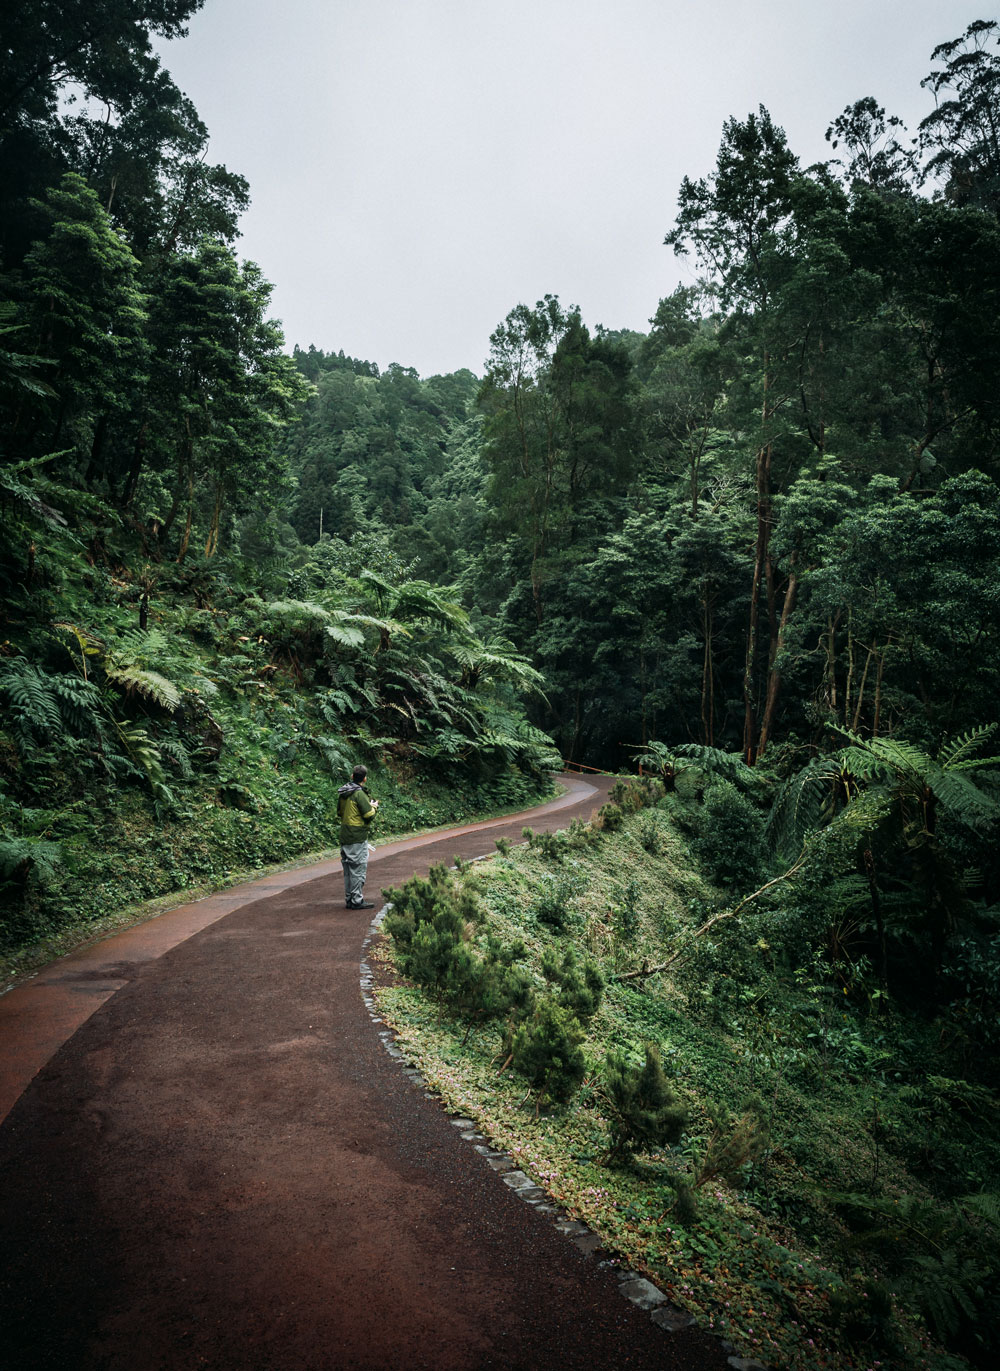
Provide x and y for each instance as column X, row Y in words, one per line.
column 218, row 1164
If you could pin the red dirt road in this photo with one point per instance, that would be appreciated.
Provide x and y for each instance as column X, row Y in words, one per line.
column 221, row 1167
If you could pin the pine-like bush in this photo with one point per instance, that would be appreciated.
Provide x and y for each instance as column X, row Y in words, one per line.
column 547, row 1051
column 645, row 1112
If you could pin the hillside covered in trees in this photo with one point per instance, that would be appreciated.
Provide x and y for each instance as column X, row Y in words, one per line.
column 184, row 679
column 754, row 550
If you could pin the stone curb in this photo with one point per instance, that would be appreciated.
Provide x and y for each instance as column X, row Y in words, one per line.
column 633, row 1286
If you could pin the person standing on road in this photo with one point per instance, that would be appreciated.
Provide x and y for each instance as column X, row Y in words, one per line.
column 356, row 810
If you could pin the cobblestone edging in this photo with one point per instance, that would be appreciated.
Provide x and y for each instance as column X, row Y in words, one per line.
column 631, row 1284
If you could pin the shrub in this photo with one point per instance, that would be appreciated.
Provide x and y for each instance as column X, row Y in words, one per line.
column 645, row 1111
column 610, row 817
column 580, row 988
column 552, row 845
column 728, row 838
column 733, row 1144
column 552, row 901
column 431, row 925
column 546, row 1050
column 650, row 835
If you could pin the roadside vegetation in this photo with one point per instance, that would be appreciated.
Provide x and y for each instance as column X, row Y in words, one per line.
column 799, row 1149
column 176, row 727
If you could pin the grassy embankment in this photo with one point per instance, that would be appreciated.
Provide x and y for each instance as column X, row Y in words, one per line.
column 810, row 1208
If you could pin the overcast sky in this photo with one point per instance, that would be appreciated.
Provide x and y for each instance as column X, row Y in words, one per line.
column 419, row 167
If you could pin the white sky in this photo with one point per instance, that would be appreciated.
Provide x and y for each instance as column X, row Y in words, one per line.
column 419, row 167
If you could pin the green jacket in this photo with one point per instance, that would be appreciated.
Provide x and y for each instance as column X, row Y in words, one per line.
column 356, row 812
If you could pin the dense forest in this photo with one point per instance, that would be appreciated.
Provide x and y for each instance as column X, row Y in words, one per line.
column 184, row 679
column 753, row 552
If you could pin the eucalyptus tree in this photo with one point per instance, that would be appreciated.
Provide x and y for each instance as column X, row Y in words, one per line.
column 962, row 134
column 220, row 389
column 557, row 433
column 769, row 239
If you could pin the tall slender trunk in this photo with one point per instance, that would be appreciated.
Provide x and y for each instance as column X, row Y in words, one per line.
column 831, row 663
column 707, row 672
column 849, row 683
column 861, row 688
column 186, row 539
column 95, row 466
column 877, row 720
column 759, row 572
column 135, row 467
column 774, row 671
column 212, row 541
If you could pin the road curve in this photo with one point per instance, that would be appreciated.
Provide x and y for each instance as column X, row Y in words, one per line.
column 208, row 1160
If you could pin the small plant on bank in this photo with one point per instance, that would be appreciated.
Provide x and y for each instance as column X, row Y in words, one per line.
column 430, row 916
column 547, row 1051
column 645, row 1112
column 552, row 901
column 503, row 847
column 729, row 837
column 431, row 924
column 734, row 1144
column 552, row 845
column 578, row 988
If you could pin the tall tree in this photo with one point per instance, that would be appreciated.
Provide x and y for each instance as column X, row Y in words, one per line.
column 963, row 132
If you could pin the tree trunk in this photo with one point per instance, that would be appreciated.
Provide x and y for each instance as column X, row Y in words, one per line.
column 774, row 673
column 759, row 571
column 135, row 467
column 707, row 672
column 212, row 541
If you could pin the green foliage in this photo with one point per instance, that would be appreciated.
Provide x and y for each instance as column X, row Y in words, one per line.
column 552, row 902
column 547, row 1051
column 578, row 988
column 939, row 1263
column 728, row 837
column 645, row 1112
column 734, row 1145
column 431, row 923
column 792, row 1067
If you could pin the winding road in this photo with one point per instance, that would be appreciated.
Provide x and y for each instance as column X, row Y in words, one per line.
column 209, row 1160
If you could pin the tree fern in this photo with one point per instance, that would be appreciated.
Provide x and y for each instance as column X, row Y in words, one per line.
column 958, row 755
column 175, row 750
column 26, row 850
column 802, row 804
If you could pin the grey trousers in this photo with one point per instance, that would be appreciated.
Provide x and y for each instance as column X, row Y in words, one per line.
column 354, row 860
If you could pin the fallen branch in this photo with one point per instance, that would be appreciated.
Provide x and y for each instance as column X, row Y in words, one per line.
column 645, row 971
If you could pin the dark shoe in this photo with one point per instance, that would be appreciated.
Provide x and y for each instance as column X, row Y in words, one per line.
column 361, row 904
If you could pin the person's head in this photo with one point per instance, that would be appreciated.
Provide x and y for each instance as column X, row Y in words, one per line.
column 359, row 773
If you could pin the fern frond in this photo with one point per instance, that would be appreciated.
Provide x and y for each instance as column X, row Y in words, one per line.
column 178, row 754
column 985, row 1205
column 149, row 684
column 345, row 635
column 959, row 750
